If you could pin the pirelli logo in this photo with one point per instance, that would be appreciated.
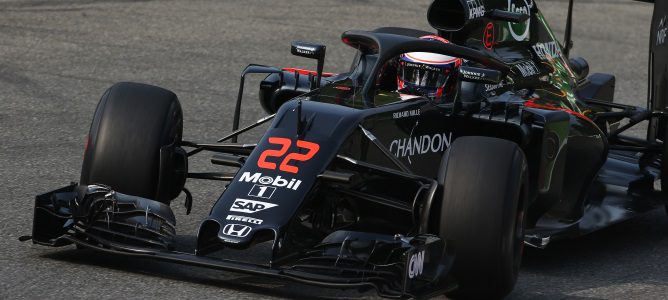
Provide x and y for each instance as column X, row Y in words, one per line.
column 244, row 219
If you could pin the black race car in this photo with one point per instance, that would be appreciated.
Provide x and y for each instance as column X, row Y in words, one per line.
column 357, row 186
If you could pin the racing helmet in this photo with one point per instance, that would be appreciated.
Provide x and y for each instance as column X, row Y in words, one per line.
column 427, row 74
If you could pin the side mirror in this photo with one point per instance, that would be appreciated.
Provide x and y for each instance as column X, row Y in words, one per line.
column 580, row 66
column 480, row 75
column 308, row 50
column 313, row 51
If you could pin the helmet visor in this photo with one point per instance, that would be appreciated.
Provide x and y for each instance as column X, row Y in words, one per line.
column 423, row 75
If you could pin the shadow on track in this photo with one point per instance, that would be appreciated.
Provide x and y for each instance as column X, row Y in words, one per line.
column 216, row 278
column 599, row 262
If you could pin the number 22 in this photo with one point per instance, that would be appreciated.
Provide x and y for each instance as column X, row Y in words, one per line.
column 285, row 145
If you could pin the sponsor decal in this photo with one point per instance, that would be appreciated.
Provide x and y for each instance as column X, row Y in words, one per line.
column 476, row 8
column 421, row 144
column 236, row 230
column 422, row 66
column 250, row 206
column 416, row 264
column 494, row 87
column 305, row 50
column 488, row 36
column 547, row 51
column 520, row 31
column 262, row 191
column 284, row 143
column 244, row 219
column 408, row 97
column 661, row 32
column 277, row 181
column 342, row 88
column 527, row 68
column 406, row 114
column 468, row 74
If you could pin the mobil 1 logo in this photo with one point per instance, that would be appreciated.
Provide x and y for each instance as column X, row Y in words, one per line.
column 262, row 191
column 277, row 181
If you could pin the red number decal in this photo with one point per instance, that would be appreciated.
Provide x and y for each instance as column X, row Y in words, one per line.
column 312, row 150
column 262, row 161
column 285, row 144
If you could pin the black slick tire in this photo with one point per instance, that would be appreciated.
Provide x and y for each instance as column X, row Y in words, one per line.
column 483, row 212
column 664, row 167
column 132, row 125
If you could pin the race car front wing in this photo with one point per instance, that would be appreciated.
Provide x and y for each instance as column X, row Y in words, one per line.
column 98, row 218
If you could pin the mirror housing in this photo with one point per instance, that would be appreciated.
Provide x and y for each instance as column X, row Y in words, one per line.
column 580, row 66
column 313, row 51
column 308, row 50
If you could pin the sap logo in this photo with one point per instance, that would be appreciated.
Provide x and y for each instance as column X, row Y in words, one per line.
column 236, row 230
column 416, row 265
column 547, row 51
column 476, row 8
column 250, row 206
column 268, row 180
column 520, row 31
column 421, row 144
column 661, row 33
column 244, row 219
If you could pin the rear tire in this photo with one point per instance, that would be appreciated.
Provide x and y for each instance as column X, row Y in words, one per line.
column 133, row 143
column 483, row 214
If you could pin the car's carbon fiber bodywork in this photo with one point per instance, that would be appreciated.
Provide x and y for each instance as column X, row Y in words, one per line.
column 346, row 182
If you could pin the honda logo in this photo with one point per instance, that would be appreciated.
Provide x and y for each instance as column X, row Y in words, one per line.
column 236, row 230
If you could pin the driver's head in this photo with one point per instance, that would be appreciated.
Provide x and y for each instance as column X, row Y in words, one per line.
column 427, row 74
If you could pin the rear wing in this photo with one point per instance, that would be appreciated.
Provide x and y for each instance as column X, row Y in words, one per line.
column 658, row 69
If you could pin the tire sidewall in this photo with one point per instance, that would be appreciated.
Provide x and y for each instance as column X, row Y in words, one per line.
column 134, row 122
column 486, row 268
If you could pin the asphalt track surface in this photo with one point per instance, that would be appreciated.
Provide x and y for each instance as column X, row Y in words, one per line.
column 57, row 57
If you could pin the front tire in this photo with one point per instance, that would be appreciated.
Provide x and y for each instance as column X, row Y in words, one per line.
column 483, row 213
column 133, row 143
column 664, row 166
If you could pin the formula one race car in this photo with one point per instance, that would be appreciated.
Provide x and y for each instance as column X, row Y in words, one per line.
column 359, row 185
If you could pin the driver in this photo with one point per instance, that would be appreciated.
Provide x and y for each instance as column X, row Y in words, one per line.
column 427, row 74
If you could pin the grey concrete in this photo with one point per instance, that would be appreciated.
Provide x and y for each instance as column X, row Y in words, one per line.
column 57, row 57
